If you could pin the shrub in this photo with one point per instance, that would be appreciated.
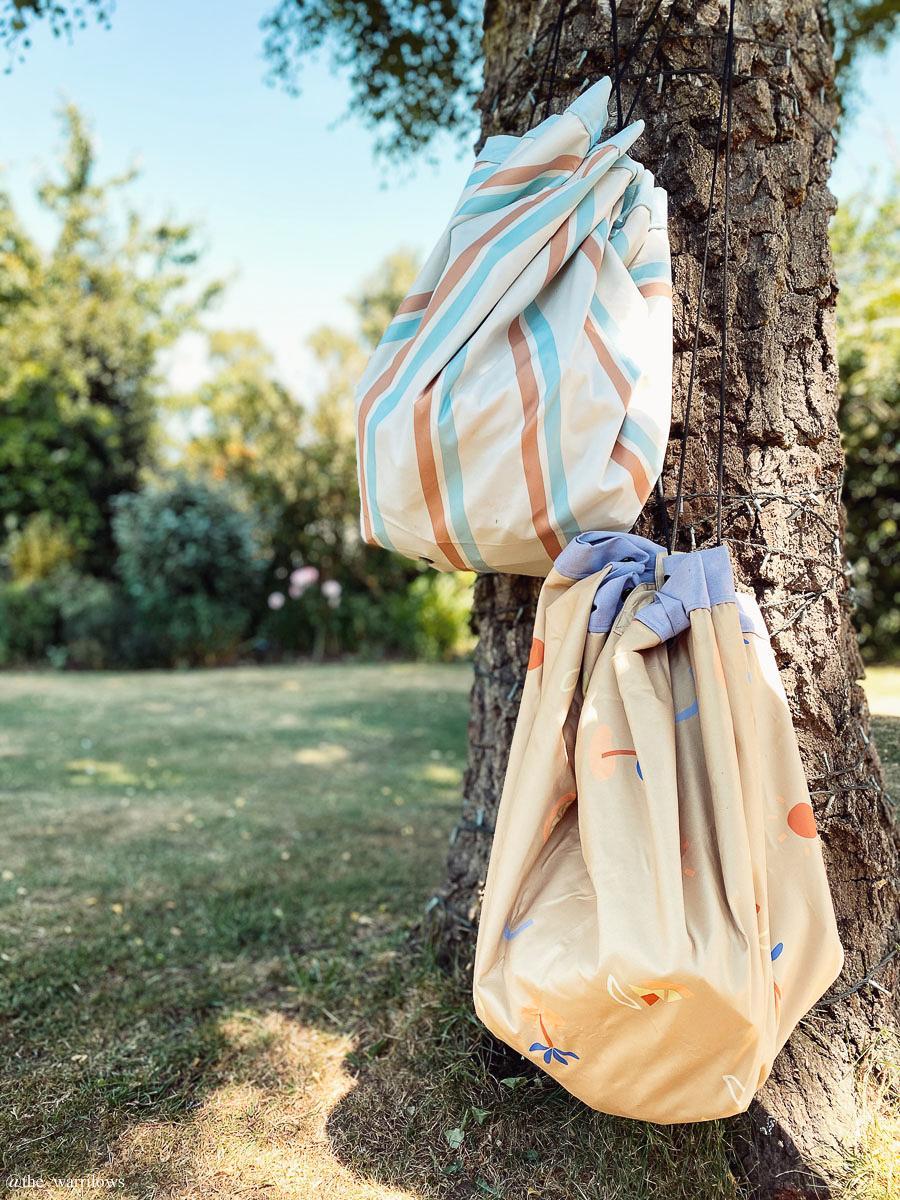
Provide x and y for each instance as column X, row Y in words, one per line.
column 69, row 620
column 428, row 618
column 29, row 622
column 189, row 563
column 38, row 549
column 443, row 605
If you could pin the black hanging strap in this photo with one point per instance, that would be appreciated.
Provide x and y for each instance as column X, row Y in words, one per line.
column 617, row 79
column 620, row 73
column 551, row 59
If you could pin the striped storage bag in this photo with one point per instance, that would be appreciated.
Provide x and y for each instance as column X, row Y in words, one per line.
column 522, row 393
column 657, row 917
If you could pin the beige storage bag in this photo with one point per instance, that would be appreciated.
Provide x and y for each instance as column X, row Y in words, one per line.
column 657, row 917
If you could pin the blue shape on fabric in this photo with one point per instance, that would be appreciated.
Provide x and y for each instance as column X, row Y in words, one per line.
column 509, row 934
column 776, row 951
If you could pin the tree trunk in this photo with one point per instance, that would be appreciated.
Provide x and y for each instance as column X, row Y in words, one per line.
column 783, row 466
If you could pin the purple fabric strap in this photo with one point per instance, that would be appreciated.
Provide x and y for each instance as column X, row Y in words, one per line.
column 697, row 580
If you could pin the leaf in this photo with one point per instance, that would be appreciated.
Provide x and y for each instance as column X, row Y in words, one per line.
column 454, row 1137
column 484, row 1186
column 480, row 1114
column 512, row 1081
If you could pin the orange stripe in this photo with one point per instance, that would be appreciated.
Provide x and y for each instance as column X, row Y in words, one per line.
column 414, row 303
column 563, row 162
column 558, row 244
column 531, row 459
column 593, row 250
column 635, row 469
column 619, row 382
column 590, row 163
column 429, row 477
column 655, row 289
column 544, row 1031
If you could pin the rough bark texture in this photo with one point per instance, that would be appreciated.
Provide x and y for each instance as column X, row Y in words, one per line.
column 783, row 466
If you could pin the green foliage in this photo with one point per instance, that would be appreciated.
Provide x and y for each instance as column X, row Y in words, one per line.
column 861, row 25
column 29, row 622
column 412, row 64
column 71, row 620
column 190, row 566
column 428, row 620
column 18, row 16
column 81, row 329
column 38, row 549
column 444, row 604
column 866, row 242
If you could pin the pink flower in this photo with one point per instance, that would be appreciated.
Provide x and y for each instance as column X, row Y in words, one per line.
column 301, row 579
column 276, row 601
column 331, row 590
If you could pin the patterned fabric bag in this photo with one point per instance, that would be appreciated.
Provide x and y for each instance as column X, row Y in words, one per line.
column 523, row 391
column 657, row 917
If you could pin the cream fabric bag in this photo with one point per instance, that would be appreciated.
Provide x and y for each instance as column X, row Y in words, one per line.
column 523, row 391
column 657, row 917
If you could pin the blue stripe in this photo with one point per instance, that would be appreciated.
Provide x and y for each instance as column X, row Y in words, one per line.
column 492, row 201
column 549, row 359
column 636, row 435
column 609, row 327
column 584, row 219
column 619, row 243
column 556, row 205
column 453, row 476
column 653, row 270
column 399, row 331
column 483, row 173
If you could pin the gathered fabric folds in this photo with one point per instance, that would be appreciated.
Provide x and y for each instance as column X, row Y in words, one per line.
column 522, row 393
column 657, row 917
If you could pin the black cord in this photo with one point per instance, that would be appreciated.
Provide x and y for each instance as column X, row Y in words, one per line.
column 685, row 427
column 614, row 16
column 650, row 61
column 557, row 38
column 635, row 46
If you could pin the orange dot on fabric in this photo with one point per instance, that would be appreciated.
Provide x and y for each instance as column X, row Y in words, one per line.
column 536, row 657
column 555, row 815
column 802, row 821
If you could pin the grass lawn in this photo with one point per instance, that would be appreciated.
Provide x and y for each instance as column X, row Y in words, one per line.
column 207, row 882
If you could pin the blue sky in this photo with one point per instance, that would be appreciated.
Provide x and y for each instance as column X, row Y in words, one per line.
column 289, row 197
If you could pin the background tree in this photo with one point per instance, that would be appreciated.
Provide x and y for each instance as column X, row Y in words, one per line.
column 865, row 237
column 81, row 330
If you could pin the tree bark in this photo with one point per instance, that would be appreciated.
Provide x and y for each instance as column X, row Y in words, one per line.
column 783, row 468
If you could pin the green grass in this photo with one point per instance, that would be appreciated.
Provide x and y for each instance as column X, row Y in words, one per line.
column 207, row 986
column 882, row 685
